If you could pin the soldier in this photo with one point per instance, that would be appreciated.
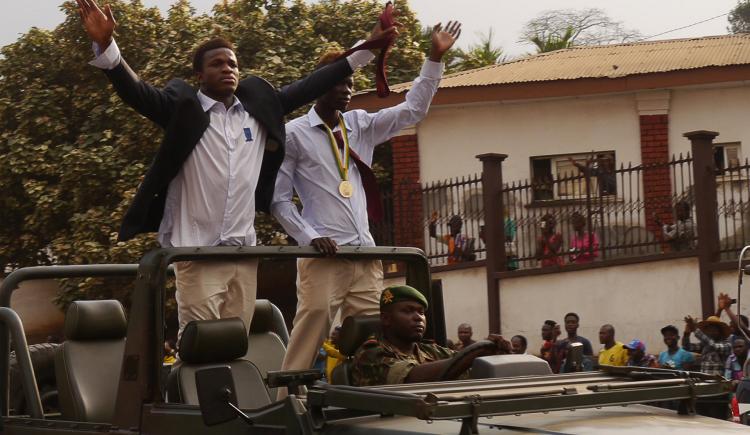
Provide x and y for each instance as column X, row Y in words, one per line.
column 399, row 355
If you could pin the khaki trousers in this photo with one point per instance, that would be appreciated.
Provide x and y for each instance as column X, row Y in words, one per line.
column 215, row 290
column 325, row 285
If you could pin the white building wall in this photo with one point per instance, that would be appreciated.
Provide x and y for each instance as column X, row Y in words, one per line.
column 723, row 109
column 451, row 136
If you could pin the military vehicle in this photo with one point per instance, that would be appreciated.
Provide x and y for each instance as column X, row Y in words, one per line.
column 111, row 380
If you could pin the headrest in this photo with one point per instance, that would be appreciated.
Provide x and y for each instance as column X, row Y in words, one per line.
column 355, row 331
column 213, row 341
column 263, row 317
column 95, row 320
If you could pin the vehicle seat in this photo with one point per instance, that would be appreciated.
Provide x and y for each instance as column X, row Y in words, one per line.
column 354, row 331
column 216, row 343
column 267, row 340
column 87, row 364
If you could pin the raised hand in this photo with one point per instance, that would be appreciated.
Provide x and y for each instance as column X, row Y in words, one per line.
column 443, row 39
column 99, row 24
column 378, row 32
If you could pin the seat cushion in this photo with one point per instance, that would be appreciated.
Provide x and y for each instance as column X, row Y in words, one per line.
column 88, row 374
column 266, row 351
column 249, row 386
column 355, row 330
column 95, row 320
column 213, row 341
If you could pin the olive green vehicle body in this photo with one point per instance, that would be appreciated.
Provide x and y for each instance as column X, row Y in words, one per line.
column 592, row 402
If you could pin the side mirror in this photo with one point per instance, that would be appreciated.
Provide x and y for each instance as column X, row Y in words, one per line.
column 216, row 395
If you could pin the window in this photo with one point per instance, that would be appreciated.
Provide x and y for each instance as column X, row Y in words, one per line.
column 564, row 176
column 727, row 155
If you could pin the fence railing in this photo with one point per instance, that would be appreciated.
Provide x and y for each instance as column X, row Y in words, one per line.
column 598, row 214
column 733, row 198
column 447, row 218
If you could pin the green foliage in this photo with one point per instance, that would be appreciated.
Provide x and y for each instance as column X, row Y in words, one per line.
column 553, row 42
column 72, row 154
column 478, row 55
column 739, row 18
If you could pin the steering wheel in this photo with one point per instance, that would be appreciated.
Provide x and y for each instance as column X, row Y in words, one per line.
column 462, row 360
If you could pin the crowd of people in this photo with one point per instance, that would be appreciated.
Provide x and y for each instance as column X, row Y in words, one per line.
column 550, row 249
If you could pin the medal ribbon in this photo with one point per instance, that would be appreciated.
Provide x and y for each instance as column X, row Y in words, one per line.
column 342, row 167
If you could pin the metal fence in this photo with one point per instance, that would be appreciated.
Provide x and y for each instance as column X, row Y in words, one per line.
column 624, row 220
column 733, row 198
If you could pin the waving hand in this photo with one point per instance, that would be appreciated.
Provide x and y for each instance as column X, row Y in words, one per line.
column 99, row 24
column 443, row 39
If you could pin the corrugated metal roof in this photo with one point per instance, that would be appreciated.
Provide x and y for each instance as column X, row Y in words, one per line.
column 608, row 61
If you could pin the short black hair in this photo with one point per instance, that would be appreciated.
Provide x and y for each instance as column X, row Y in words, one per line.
column 209, row 45
column 551, row 323
column 522, row 338
column 670, row 328
column 574, row 315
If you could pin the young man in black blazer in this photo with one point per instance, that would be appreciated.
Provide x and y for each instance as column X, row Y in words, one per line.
column 217, row 163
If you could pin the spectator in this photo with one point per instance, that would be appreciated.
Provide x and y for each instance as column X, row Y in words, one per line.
column 548, row 244
column 170, row 352
column 571, row 327
column 584, row 248
column 551, row 350
column 511, row 255
column 738, row 323
column 675, row 357
column 603, row 168
column 733, row 369
column 518, row 344
column 333, row 356
column 681, row 234
column 613, row 353
column 464, row 336
column 714, row 347
column 637, row 356
column 460, row 247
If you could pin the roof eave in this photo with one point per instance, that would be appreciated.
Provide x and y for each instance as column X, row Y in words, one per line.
column 564, row 88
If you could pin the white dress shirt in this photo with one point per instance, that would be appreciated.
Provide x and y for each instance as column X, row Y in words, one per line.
column 310, row 168
column 211, row 201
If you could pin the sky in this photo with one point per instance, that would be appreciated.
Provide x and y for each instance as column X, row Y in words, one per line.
column 505, row 17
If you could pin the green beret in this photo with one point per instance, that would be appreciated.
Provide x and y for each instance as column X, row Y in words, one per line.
column 399, row 293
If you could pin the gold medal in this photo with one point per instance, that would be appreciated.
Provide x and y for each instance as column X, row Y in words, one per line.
column 346, row 189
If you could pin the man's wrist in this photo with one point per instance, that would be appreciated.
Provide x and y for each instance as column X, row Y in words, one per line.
column 435, row 57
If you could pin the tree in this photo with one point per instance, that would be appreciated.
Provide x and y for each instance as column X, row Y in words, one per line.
column 484, row 53
column 72, row 154
column 739, row 17
column 553, row 42
column 590, row 26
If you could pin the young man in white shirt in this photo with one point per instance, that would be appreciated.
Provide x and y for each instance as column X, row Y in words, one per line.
column 217, row 163
column 322, row 169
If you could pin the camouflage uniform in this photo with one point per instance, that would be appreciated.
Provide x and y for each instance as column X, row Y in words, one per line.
column 378, row 362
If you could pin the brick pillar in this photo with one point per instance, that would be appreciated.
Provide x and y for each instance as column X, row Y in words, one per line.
column 653, row 114
column 408, row 228
column 657, row 185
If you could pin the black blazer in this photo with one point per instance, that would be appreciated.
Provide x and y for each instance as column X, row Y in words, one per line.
column 177, row 110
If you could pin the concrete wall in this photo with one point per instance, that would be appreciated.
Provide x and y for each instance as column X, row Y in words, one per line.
column 637, row 299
